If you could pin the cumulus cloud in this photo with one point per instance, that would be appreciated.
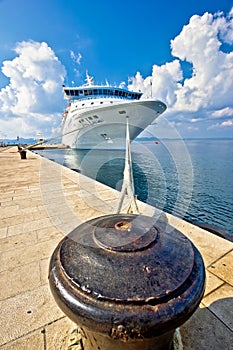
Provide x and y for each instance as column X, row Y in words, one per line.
column 33, row 98
column 207, row 92
column 225, row 124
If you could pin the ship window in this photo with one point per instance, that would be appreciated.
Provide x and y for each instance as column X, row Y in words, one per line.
column 71, row 92
column 92, row 103
column 100, row 91
column 90, row 118
column 83, row 104
column 85, row 92
column 95, row 92
column 76, row 93
column 80, row 92
column 116, row 92
column 105, row 92
column 101, row 102
column 95, row 116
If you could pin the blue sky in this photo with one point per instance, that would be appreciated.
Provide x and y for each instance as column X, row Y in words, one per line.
column 184, row 47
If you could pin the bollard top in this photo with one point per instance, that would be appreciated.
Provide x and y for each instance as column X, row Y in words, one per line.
column 127, row 272
column 126, row 258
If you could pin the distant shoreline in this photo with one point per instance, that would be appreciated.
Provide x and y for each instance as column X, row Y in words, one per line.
column 30, row 141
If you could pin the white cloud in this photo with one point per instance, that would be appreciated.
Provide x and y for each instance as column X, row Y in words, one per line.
column 207, row 93
column 225, row 124
column 33, row 98
column 222, row 113
column 76, row 58
column 192, row 128
column 163, row 83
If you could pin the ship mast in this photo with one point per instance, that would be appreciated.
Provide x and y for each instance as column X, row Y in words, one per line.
column 89, row 79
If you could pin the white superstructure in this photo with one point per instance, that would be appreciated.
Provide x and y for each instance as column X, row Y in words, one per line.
column 96, row 115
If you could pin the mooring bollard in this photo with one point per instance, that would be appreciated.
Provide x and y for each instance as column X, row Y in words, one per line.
column 22, row 152
column 126, row 282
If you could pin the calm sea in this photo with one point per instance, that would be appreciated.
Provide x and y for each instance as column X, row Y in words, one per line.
column 192, row 179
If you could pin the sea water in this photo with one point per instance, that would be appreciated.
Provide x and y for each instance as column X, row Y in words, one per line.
column 192, row 179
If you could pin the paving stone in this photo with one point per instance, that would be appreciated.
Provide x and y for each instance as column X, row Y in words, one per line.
column 8, row 211
column 28, row 204
column 58, row 334
column 33, row 341
column 220, row 302
column 84, row 214
column 48, row 233
column 32, row 209
column 7, row 193
column 19, row 280
column 27, row 312
column 223, row 268
column 16, row 219
column 3, row 232
column 7, row 199
column 210, row 246
column 40, row 214
column 18, row 257
column 204, row 331
column 212, row 282
column 28, row 226
column 44, row 270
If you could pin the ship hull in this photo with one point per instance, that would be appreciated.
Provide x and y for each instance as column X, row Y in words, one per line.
column 104, row 127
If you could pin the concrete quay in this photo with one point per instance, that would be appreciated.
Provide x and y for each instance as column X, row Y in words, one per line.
column 40, row 202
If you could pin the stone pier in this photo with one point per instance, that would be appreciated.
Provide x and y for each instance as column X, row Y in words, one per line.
column 40, row 202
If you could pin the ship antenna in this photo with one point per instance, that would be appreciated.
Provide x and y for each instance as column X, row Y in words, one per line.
column 89, row 79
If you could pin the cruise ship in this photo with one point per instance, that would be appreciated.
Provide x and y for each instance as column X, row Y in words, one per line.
column 95, row 116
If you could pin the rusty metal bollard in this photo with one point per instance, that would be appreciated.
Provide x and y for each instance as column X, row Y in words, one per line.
column 127, row 282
